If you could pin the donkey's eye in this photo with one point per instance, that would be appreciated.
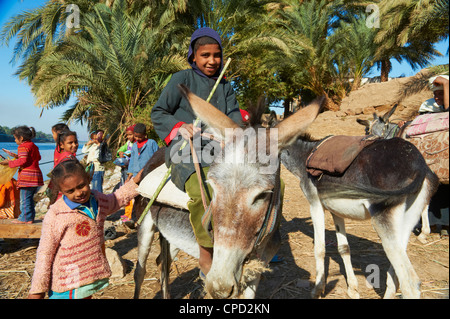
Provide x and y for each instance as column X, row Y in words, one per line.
column 261, row 197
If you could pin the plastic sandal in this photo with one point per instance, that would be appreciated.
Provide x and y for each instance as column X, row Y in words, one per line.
column 277, row 259
column 110, row 233
column 16, row 221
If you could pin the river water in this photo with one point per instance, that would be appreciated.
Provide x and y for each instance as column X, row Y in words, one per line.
column 46, row 150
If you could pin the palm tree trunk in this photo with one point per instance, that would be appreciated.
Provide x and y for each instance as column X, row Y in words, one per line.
column 329, row 104
column 287, row 107
column 356, row 82
column 386, row 67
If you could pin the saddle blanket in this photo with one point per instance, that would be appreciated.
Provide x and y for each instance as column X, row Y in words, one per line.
column 169, row 195
column 428, row 123
column 335, row 154
column 435, row 150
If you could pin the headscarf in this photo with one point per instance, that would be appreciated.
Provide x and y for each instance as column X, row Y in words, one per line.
column 204, row 32
column 130, row 128
column 434, row 87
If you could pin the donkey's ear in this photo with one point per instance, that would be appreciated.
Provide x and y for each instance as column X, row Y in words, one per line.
column 365, row 123
column 207, row 112
column 387, row 115
column 297, row 124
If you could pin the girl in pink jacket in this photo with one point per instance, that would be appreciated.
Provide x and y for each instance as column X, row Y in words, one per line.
column 71, row 261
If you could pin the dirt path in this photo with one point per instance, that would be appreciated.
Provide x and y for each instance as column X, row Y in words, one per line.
column 291, row 279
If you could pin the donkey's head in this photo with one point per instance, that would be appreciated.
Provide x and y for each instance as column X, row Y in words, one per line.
column 246, row 189
column 380, row 126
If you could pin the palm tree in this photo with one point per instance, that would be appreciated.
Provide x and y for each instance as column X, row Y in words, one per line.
column 307, row 62
column 408, row 20
column 354, row 49
column 114, row 67
column 38, row 30
column 409, row 28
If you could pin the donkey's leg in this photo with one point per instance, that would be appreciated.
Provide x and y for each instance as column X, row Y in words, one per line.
column 164, row 260
column 425, row 227
column 318, row 219
column 344, row 251
column 146, row 233
column 250, row 290
column 416, row 207
column 391, row 284
column 390, row 226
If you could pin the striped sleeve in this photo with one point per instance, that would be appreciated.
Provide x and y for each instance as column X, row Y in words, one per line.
column 23, row 157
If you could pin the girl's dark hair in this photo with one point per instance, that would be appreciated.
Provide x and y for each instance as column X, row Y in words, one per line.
column 59, row 127
column 203, row 41
column 65, row 169
column 27, row 133
column 140, row 128
column 63, row 135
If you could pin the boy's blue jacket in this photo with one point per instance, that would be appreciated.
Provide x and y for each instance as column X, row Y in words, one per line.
column 138, row 161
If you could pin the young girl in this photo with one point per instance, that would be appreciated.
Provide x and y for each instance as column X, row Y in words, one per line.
column 30, row 175
column 92, row 148
column 125, row 150
column 124, row 153
column 56, row 129
column 66, row 148
column 67, row 142
column 71, row 261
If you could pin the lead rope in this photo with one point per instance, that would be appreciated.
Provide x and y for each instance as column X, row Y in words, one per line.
column 207, row 215
column 198, row 172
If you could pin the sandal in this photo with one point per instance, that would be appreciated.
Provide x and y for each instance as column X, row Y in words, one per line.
column 277, row 259
column 16, row 221
column 124, row 218
column 110, row 233
column 202, row 275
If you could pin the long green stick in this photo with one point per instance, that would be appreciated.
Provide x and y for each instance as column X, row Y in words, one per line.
column 166, row 177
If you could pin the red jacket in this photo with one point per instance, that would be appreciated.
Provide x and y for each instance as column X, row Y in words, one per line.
column 30, row 174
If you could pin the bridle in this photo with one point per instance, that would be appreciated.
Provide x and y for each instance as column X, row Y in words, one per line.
column 386, row 131
column 270, row 219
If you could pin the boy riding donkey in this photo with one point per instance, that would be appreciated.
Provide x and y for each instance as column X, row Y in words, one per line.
column 172, row 119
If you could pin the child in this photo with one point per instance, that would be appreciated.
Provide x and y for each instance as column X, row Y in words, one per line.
column 124, row 153
column 67, row 146
column 67, row 143
column 56, row 129
column 30, row 175
column 141, row 151
column 92, row 148
column 173, row 117
column 125, row 150
column 123, row 160
column 70, row 260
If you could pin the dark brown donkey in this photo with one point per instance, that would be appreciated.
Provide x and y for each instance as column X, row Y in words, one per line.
column 388, row 182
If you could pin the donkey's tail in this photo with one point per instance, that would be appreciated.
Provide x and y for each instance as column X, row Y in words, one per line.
column 334, row 190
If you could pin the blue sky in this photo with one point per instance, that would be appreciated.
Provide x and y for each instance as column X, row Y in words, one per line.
column 17, row 103
column 16, row 100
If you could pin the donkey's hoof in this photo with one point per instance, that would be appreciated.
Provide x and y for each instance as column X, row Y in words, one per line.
column 353, row 293
column 317, row 292
column 422, row 238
